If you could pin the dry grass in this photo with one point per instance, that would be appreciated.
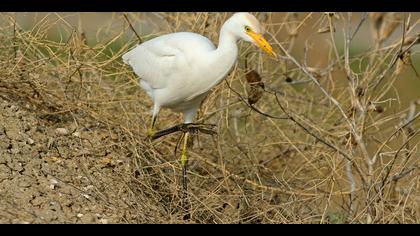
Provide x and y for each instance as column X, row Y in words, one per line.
column 328, row 142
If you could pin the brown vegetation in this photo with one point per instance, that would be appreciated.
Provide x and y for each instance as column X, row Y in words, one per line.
column 321, row 136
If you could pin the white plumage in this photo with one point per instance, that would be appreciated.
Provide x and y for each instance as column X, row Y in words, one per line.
column 178, row 70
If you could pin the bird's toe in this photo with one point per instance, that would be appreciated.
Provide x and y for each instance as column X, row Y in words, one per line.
column 151, row 132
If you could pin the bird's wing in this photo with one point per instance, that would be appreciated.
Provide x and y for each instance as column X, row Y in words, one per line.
column 155, row 61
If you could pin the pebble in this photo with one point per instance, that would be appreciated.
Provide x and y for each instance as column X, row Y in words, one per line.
column 26, row 127
column 40, row 129
column 80, row 215
column 14, row 108
column 103, row 221
column 50, row 142
column 61, row 131
column 14, row 151
column 30, row 141
column 24, row 184
column 53, row 184
column 89, row 187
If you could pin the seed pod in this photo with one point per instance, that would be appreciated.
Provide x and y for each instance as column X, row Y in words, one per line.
column 406, row 58
column 412, row 40
column 399, row 67
column 350, row 137
column 374, row 107
column 83, row 38
column 351, row 111
column 332, row 14
column 360, row 91
column 316, row 72
column 379, row 109
column 353, row 140
column 377, row 19
column 403, row 61
column 288, row 79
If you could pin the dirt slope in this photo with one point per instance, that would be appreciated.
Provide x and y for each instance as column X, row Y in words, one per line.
column 45, row 175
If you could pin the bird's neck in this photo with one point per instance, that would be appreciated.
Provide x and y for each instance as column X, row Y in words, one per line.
column 225, row 55
column 219, row 63
column 227, row 42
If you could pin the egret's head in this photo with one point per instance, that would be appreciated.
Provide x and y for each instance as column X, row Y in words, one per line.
column 248, row 28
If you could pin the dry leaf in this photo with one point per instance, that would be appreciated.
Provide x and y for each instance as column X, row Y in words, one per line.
column 411, row 40
column 256, row 86
column 377, row 19
column 391, row 23
column 325, row 29
column 107, row 161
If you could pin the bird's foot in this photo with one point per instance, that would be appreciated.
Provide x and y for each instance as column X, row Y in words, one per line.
column 193, row 128
column 151, row 132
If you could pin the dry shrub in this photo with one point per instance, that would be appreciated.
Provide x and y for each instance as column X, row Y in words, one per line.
column 329, row 141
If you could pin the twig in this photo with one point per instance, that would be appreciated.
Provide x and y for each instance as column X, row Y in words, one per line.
column 330, row 145
column 402, row 174
column 253, row 107
column 362, row 20
column 261, row 186
column 330, row 97
column 375, row 156
column 385, row 178
column 15, row 47
column 309, row 74
column 132, row 28
column 394, row 59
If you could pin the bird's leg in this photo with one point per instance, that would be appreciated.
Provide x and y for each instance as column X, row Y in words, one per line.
column 184, row 199
column 152, row 131
column 184, row 161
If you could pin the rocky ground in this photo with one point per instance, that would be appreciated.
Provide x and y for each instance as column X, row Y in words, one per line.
column 47, row 177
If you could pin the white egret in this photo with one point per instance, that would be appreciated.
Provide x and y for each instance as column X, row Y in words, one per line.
column 178, row 70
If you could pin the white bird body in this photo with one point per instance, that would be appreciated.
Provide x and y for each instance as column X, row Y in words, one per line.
column 164, row 75
column 178, row 70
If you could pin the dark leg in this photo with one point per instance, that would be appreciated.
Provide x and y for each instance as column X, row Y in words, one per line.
column 190, row 127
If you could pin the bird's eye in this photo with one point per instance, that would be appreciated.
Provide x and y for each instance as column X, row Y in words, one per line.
column 247, row 28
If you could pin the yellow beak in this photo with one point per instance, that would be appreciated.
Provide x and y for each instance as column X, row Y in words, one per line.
column 262, row 43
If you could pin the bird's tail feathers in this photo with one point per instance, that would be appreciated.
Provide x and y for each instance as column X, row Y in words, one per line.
column 126, row 58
